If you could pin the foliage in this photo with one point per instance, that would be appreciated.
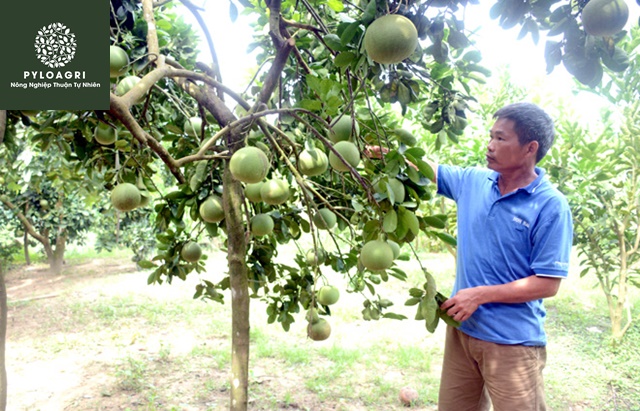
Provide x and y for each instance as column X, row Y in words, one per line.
column 133, row 230
column 42, row 192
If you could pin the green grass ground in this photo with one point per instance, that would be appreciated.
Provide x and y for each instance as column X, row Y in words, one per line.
column 104, row 340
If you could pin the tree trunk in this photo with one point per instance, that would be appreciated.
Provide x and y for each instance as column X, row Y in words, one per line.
column 25, row 242
column 55, row 257
column 27, row 257
column 237, row 251
column 3, row 340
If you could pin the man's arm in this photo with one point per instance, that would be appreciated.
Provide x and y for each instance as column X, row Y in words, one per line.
column 467, row 300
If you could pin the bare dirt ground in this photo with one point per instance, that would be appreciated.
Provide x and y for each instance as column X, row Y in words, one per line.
column 68, row 351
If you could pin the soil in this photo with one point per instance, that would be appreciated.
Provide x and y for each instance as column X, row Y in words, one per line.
column 60, row 357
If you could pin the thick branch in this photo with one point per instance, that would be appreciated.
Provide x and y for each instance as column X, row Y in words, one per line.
column 273, row 76
column 3, row 124
column 195, row 10
column 152, row 34
column 29, row 228
column 120, row 110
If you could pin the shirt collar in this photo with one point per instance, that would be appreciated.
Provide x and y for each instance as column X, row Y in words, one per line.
column 531, row 188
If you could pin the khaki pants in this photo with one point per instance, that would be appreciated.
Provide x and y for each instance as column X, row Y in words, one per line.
column 476, row 374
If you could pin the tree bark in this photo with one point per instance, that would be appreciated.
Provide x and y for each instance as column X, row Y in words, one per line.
column 3, row 340
column 237, row 250
column 27, row 257
column 25, row 242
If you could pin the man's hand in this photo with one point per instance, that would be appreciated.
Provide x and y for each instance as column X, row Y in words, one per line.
column 463, row 304
column 376, row 152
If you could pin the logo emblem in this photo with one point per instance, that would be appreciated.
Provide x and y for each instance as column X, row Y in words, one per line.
column 55, row 45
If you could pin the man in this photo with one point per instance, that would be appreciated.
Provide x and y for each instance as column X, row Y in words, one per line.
column 514, row 241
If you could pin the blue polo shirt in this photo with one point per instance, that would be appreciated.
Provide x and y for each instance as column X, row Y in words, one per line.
column 505, row 238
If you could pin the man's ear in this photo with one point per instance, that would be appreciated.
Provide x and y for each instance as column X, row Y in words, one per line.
column 533, row 147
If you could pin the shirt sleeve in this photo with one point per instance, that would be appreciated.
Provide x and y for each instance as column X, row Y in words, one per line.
column 552, row 242
column 450, row 181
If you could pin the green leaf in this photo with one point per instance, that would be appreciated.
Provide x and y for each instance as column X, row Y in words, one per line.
column 311, row 105
column 394, row 316
column 146, row 264
column 349, row 33
column 416, row 292
column 410, row 220
column 429, row 308
column 446, row 318
column 333, row 42
column 335, row 5
column 390, row 222
column 233, row 11
column 431, row 327
column 434, row 222
column 344, row 59
column 412, row 301
column 447, row 238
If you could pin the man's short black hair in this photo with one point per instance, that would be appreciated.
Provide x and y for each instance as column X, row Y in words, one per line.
column 531, row 123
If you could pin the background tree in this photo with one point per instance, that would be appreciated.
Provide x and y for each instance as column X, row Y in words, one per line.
column 600, row 173
column 43, row 192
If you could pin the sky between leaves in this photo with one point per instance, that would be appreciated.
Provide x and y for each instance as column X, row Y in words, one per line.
column 499, row 47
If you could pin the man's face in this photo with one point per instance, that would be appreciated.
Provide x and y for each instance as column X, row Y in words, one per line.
column 504, row 152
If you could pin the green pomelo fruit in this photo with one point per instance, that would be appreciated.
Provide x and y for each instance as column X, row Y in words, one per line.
column 320, row 330
column 315, row 259
column 191, row 252
column 313, row 162
column 264, row 147
column 261, row 224
column 325, row 219
column 29, row 113
column 125, row 197
column 342, row 130
column 275, row 191
column 105, row 134
column 44, row 204
column 604, row 17
column 390, row 39
column 211, row 210
column 126, row 84
column 396, row 187
column 252, row 192
column 348, row 151
column 193, row 126
column 405, row 137
column 328, row 295
column 118, row 61
column 376, row 255
column 249, row 165
column 395, row 247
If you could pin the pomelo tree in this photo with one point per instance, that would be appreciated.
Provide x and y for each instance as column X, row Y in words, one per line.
column 43, row 194
column 316, row 68
column 600, row 173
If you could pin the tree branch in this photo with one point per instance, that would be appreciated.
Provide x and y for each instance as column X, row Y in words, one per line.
column 152, row 34
column 25, row 221
column 3, row 124
column 119, row 109
column 214, row 56
column 283, row 49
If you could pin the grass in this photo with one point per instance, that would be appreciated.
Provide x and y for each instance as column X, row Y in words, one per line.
column 167, row 351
